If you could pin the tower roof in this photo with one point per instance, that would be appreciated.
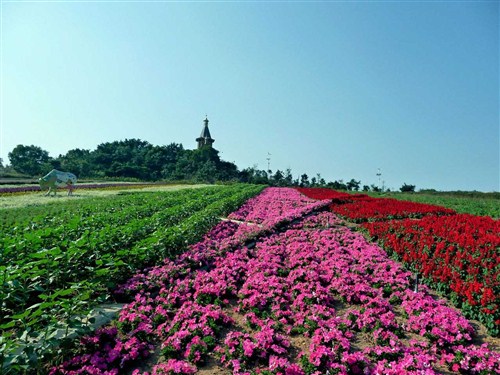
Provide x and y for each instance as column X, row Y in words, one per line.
column 205, row 139
column 205, row 133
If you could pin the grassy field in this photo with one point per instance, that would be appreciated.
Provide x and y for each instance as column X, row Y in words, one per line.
column 481, row 204
column 39, row 198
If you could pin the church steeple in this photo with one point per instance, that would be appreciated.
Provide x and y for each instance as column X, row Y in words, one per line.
column 205, row 139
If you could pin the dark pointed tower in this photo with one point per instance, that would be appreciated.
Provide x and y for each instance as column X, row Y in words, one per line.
column 205, row 139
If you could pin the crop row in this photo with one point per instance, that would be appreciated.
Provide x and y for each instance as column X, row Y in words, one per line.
column 311, row 298
column 55, row 269
column 458, row 254
column 26, row 231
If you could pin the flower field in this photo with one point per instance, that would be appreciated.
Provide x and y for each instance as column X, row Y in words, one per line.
column 361, row 208
column 373, row 209
column 457, row 254
column 59, row 261
column 282, row 287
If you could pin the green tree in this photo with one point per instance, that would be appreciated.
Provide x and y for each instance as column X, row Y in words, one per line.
column 353, row 185
column 337, row 185
column 254, row 176
column 227, row 171
column 171, row 153
column 278, row 178
column 161, row 159
column 407, row 188
column 207, row 172
column 246, row 175
column 31, row 160
column 304, row 180
column 122, row 159
column 77, row 161
column 192, row 161
column 319, row 179
column 288, row 177
column 185, row 167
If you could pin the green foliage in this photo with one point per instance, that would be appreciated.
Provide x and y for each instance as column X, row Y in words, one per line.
column 304, row 180
column 307, row 366
column 254, row 176
column 407, row 188
column 134, row 159
column 61, row 260
column 31, row 160
column 337, row 185
column 131, row 158
column 78, row 162
column 353, row 185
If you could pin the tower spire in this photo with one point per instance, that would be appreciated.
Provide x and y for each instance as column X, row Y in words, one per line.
column 205, row 139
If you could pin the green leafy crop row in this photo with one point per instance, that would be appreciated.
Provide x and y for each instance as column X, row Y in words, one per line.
column 59, row 262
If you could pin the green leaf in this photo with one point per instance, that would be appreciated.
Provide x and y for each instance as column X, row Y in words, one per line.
column 21, row 316
column 8, row 325
column 65, row 292
column 102, row 271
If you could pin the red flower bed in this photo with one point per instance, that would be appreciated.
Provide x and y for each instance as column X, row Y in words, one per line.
column 361, row 207
column 336, row 196
column 458, row 254
column 375, row 209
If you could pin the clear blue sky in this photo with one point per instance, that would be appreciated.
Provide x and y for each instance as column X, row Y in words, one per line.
column 336, row 88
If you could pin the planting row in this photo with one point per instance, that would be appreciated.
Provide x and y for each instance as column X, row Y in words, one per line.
column 310, row 298
column 56, row 269
column 373, row 209
column 458, row 255
column 361, row 208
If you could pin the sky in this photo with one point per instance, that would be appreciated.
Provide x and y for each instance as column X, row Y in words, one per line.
column 338, row 88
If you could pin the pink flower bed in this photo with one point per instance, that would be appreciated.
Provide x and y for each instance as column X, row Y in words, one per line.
column 244, row 304
column 276, row 205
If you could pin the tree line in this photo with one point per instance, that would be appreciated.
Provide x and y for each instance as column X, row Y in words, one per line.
column 140, row 160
